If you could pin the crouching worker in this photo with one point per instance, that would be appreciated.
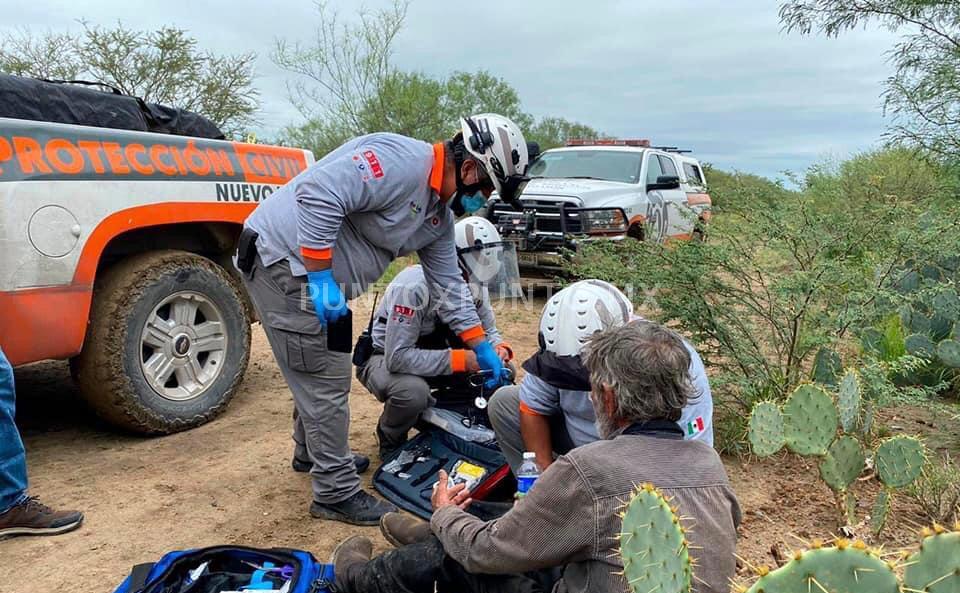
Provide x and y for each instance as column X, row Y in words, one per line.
column 414, row 351
column 568, row 520
column 550, row 412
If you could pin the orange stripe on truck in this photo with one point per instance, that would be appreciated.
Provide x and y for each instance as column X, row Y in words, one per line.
column 150, row 215
column 42, row 323
column 697, row 199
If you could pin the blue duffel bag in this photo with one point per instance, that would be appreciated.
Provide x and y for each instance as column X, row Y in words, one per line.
column 231, row 568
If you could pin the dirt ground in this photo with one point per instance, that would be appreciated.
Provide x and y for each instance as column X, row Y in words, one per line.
column 231, row 482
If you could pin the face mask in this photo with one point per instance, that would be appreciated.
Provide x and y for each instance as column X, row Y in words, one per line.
column 472, row 203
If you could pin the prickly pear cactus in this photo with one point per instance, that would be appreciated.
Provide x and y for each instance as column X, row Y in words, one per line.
column 809, row 420
column 845, row 568
column 826, row 367
column 899, row 461
column 849, row 401
column 881, row 506
column 920, row 345
column 948, row 352
column 935, row 568
column 947, row 304
column 653, row 546
column 766, row 429
column 843, row 463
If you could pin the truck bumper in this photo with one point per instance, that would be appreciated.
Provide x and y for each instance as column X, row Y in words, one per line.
column 41, row 323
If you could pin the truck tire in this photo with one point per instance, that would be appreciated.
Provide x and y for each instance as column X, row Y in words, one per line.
column 167, row 344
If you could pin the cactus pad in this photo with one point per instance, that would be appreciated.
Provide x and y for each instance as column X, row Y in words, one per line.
column 653, row 546
column 846, row 568
column 826, row 367
column 848, row 401
column 850, row 507
column 899, row 461
column 843, row 463
column 809, row 420
column 947, row 304
column 914, row 321
column 920, row 345
column 948, row 351
column 766, row 429
column 881, row 506
column 935, row 568
column 870, row 340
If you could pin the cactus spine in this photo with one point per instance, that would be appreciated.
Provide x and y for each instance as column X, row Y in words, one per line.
column 653, row 545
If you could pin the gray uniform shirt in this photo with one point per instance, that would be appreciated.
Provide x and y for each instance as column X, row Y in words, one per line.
column 407, row 312
column 543, row 398
column 370, row 201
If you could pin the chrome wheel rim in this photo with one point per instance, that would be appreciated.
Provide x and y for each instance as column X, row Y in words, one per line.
column 182, row 346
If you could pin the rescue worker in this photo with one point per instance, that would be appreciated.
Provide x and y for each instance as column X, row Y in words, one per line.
column 550, row 412
column 326, row 235
column 414, row 352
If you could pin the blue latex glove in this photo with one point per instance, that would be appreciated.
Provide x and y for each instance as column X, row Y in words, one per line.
column 326, row 296
column 489, row 361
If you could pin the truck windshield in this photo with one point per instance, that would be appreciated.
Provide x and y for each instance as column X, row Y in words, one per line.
column 607, row 165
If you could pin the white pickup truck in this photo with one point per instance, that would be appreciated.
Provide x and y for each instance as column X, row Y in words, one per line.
column 604, row 189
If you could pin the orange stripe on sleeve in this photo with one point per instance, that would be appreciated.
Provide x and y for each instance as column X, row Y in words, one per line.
column 325, row 253
column 458, row 361
column 525, row 409
column 472, row 333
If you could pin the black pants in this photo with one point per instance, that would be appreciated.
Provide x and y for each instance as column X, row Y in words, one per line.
column 419, row 567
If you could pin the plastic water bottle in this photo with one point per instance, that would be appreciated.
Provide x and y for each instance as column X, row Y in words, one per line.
column 528, row 474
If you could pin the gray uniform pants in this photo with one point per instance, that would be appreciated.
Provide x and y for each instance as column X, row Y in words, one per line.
column 318, row 378
column 504, row 412
column 404, row 397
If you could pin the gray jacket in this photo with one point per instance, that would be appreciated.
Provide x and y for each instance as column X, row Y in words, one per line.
column 370, row 201
column 569, row 518
column 405, row 313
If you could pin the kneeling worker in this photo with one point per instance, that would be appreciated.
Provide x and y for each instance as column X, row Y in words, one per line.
column 550, row 412
column 413, row 350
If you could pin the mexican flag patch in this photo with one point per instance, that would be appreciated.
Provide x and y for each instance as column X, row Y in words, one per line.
column 695, row 426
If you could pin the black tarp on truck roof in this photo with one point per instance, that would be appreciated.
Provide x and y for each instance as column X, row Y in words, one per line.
column 71, row 103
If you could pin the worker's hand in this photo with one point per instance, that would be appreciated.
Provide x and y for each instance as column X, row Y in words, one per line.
column 472, row 365
column 489, row 361
column 326, row 295
column 458, row 496
column 504, row 352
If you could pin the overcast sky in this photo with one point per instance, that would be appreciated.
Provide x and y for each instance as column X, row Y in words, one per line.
column 718, row 77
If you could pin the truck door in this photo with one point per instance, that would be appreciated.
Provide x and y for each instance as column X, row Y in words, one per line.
column 681, row 218
column 663, row 216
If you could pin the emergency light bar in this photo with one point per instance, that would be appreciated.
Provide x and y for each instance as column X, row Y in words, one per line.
column 607, row 142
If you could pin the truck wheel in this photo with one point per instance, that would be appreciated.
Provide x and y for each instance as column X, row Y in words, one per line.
column 167, row 345
column 636, row 232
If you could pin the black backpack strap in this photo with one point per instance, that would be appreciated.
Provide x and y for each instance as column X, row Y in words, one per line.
column 138, row 576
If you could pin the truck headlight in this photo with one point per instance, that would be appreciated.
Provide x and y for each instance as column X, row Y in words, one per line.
column 604, row 221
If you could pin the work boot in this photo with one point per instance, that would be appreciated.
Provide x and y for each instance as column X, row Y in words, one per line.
column 31, row 517
column 362, row 462
column 350, row 554
column 401, row 529
column 359, row 509
column 387, row 445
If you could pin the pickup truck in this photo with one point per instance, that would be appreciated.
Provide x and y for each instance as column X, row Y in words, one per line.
column 116, row 245
column 603, row 190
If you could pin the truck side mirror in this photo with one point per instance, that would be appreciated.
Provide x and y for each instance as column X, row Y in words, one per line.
column 665, row 182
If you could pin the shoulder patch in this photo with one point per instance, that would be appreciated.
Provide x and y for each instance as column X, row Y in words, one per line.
column 375, row 169
column 402, row 310
column 367, row 165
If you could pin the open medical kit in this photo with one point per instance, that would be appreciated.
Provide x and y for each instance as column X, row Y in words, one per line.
column 231, row 569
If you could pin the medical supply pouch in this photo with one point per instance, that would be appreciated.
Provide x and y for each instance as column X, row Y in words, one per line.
column 231, row 568
column 407, row 476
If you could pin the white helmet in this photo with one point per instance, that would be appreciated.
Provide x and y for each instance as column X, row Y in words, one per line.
column 498, row 144
column 478, row 243
column 578, row 311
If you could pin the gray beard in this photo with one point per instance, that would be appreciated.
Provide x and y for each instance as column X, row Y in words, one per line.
column 606, row 427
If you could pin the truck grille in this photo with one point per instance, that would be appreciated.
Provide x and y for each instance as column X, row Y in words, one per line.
column 546, row 216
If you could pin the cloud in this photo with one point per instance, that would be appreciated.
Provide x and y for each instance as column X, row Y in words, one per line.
column 718, row 77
